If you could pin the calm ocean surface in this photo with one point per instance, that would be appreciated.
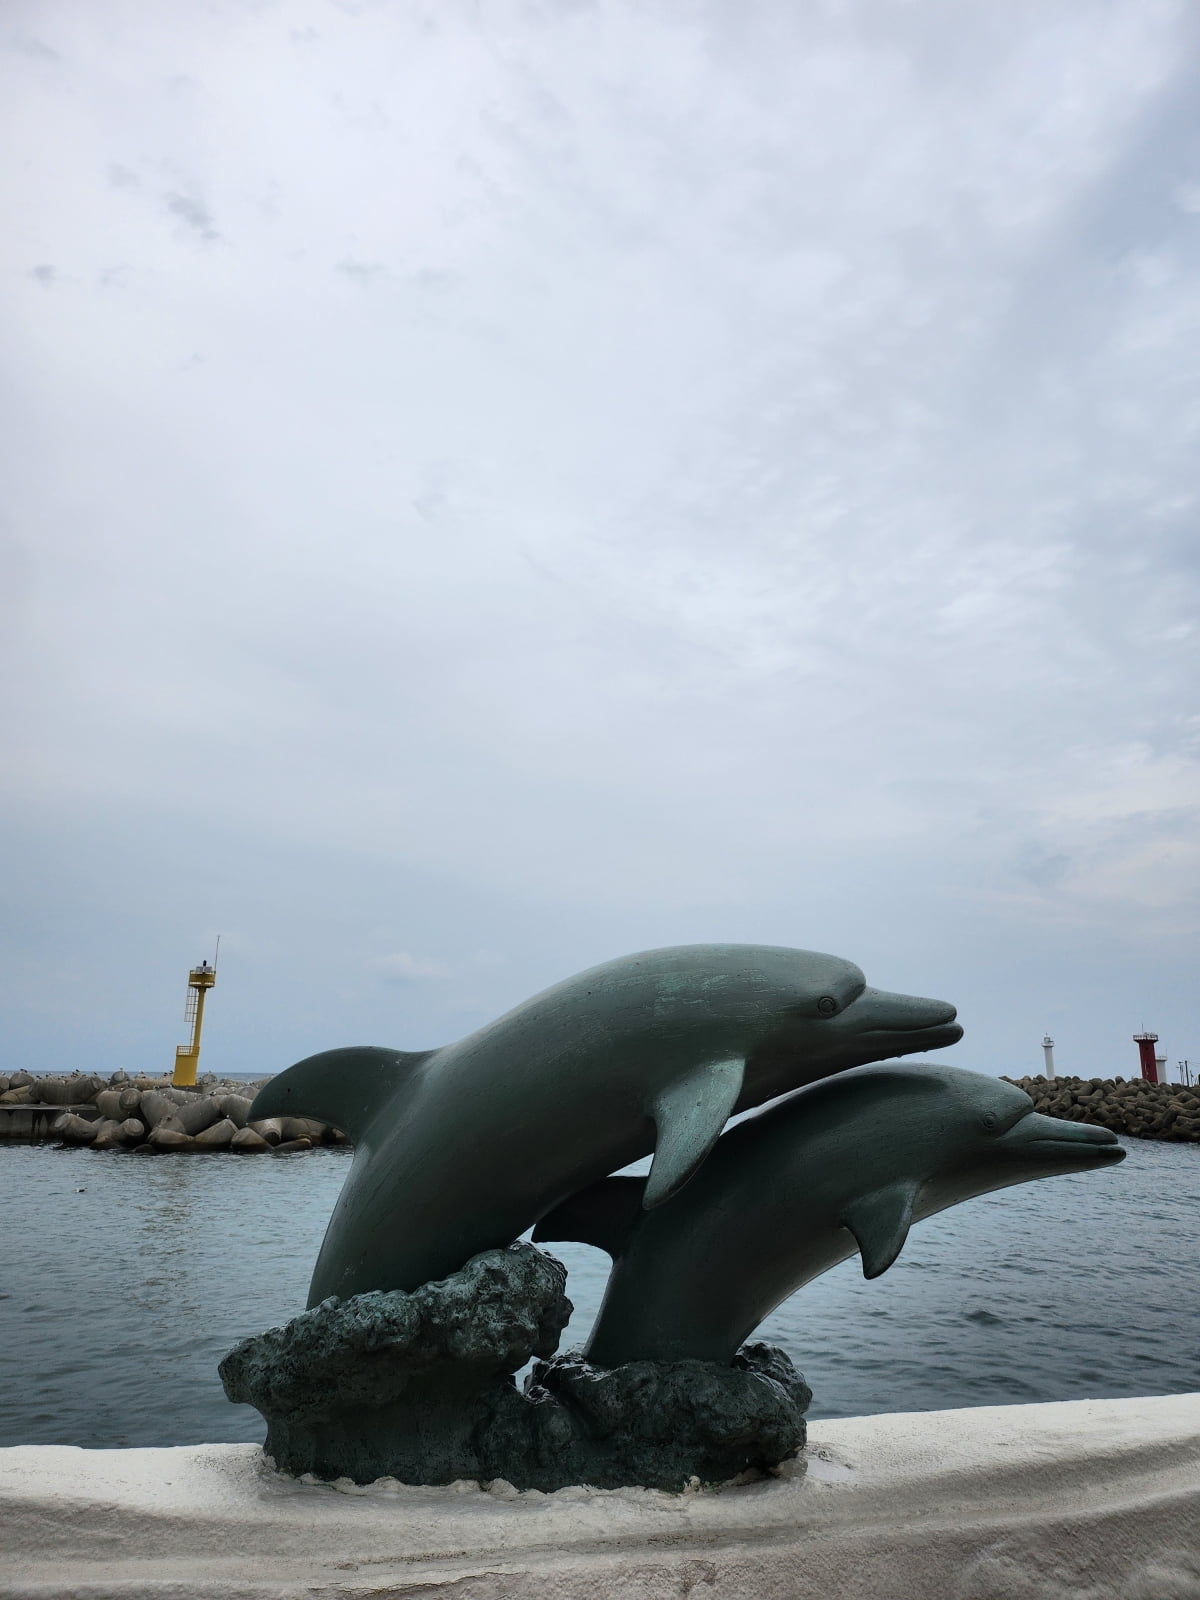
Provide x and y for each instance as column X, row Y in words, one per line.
column 126, row 1278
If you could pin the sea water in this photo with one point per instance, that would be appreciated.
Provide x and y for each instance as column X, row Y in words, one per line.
column 126, row 1278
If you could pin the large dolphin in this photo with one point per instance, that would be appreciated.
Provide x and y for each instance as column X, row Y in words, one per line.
column 461, row 1149
column 849, row 1163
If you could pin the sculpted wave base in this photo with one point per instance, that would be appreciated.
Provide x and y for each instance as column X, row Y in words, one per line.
column 419, row 1387
column 1091, row 1500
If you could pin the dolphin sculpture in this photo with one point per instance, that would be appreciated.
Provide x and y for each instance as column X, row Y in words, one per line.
column 461, row 1149
column 849, row 1163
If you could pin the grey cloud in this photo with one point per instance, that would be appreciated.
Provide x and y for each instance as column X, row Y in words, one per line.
column 402, row 967
column 25, row 44
column 44, row 273
column 194, row 212
column 363, row 272
column 1042, row 867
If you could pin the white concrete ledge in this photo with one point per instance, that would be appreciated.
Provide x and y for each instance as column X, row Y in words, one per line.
column 1086, row 1499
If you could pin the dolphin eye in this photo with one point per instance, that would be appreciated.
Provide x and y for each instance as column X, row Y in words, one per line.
column 827, row 1006
column 988, row 1120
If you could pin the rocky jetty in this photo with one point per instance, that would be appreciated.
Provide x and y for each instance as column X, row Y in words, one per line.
column 148, row 1115
column 1128, row 1106
column 125, row 1112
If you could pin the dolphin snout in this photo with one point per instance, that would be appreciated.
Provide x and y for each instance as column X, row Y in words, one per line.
column 878, row 1010
column 1054, row 1140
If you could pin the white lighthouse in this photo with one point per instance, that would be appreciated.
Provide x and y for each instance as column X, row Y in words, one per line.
column 1048, row 1048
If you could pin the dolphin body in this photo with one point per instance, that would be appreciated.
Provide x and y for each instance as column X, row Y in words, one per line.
column 849, row 1163
column 461, row 1149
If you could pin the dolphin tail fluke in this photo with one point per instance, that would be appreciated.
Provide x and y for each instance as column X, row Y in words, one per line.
column 344, row 1088
column 689, row 1115
column 603, row 1215
column 880, row 1222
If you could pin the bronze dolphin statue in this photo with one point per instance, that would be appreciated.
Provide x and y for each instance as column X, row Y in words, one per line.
column 461, row 1149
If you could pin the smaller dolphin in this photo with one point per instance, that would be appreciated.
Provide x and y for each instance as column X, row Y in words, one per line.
column 785, row 1195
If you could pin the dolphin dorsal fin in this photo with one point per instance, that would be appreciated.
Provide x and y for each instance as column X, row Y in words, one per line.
column 880, row 1222
column 689, row 1115
column 344, row 1088
column 603, row 1215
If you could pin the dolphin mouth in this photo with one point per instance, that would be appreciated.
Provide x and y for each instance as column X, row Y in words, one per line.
column 1091, row 1150
column 910, row 1021
column 1054, row 1140
column 942, row 1033
column 903, row 1039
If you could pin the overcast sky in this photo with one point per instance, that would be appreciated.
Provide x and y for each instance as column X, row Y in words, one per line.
column 493, row 486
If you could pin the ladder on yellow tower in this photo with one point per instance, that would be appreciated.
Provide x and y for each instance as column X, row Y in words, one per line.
column 187, row 1056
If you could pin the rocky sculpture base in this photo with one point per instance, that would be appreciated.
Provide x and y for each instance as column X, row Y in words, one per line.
column 420, row 1387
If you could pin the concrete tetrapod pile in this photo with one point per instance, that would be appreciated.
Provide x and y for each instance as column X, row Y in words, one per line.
column 1131, row 1106
column 148, row 1115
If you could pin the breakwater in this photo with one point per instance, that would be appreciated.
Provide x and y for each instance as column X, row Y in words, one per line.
column 124, row 1112
column 150, row 1115
column 1129, row 1106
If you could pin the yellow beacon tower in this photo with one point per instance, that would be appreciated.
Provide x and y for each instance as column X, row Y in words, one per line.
column 187, row 1056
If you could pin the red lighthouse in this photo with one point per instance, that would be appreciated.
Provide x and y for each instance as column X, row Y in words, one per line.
column 1145, row 1043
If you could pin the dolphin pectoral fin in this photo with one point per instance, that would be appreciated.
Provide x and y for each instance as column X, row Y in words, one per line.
column 344, row 1088
column 689, row 1115
column 602, row 1214
column 880, row 1222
